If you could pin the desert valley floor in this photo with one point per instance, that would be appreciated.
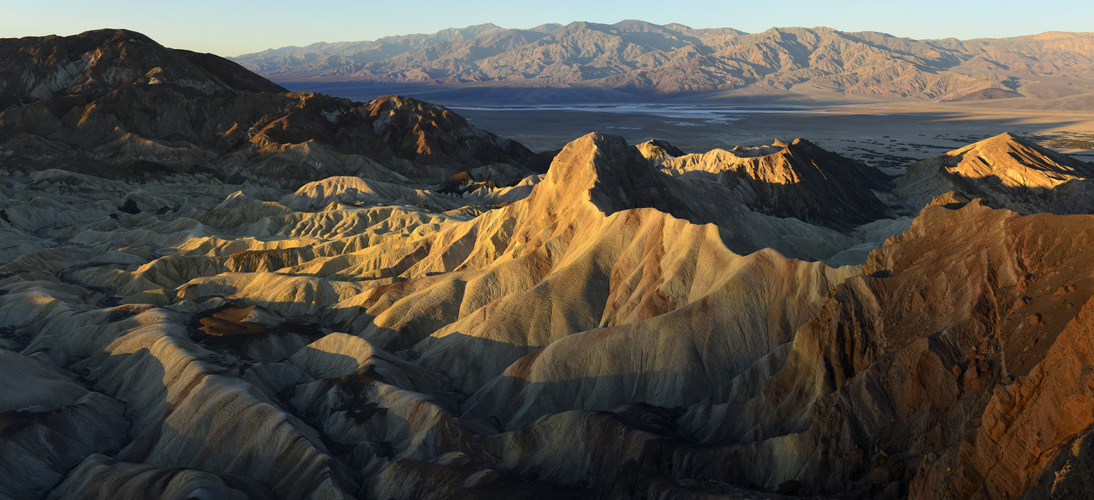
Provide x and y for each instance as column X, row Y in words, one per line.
column 887, row 136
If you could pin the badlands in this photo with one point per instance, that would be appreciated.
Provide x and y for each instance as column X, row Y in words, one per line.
column 211, row 288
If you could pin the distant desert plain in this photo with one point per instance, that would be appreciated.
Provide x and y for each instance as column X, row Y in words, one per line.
column 889, row 136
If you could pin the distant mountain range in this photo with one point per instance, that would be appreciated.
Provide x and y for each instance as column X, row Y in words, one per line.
column 644, row 58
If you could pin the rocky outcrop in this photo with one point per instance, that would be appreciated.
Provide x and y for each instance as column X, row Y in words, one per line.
column 657, row 151
column 902, row 374
column 798, row 180
column 1007, row 172
column 430, row 134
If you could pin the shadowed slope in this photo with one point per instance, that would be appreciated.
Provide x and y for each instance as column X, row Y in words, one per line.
column 920, row 366
column 797, row 180
column 94, row 63
column 96, row 102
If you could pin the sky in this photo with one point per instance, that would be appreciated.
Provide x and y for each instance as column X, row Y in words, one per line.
column 230, row 28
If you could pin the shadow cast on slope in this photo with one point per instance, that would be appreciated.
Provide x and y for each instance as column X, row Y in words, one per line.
column 196, row 411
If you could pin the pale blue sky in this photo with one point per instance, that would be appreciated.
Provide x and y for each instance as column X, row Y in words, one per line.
column 230, row 28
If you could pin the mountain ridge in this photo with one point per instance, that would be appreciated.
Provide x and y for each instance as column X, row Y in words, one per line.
column 95, row 103
column 649, row 59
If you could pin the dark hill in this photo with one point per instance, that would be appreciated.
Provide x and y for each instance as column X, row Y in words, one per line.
column 116, row 103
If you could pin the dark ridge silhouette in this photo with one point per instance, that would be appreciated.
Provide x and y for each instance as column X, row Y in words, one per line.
column 95, row 103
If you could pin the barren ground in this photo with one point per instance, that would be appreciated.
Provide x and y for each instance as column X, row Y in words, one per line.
column 887, row 135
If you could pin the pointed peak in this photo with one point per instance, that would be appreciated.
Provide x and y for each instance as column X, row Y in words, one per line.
column 612, row 173
column 666, row 146
column 950, row 199
column 583, row 160
column 799, row 180
column 999, row 140
column 386, row 102
column 657, row 151
column 1006, row 137
column 1008, row 150
column 1006, row 162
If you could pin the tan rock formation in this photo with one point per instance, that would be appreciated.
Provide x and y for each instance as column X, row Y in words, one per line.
column 1008, row 172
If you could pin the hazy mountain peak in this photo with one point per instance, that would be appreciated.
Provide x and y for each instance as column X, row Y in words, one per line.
column 546, row 28
column 677, row 27
column 637, row 25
